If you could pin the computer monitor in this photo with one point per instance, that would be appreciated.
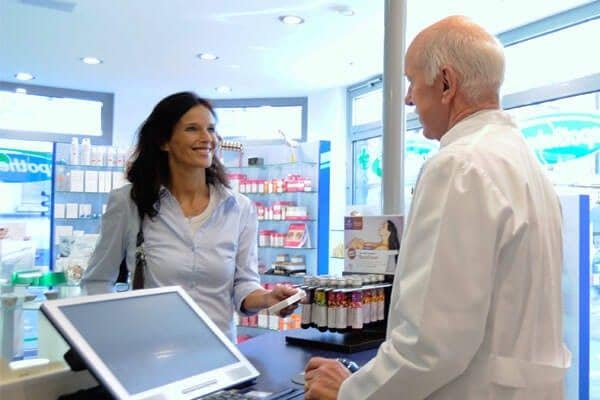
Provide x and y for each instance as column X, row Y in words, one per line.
column 149, row 344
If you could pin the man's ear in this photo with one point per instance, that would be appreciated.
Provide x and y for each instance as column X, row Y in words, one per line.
column 165, row 147
column 449, row 84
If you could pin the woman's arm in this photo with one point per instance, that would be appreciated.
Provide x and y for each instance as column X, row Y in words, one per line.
column 103, row 266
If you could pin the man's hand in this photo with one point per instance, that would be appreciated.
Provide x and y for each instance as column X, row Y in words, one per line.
column 323, row 378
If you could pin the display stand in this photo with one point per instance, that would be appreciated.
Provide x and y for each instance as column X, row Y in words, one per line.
column 371, row 336
column 348, row 342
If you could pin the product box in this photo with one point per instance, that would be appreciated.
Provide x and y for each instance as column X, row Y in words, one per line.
column 297, row 236
column 372, row 243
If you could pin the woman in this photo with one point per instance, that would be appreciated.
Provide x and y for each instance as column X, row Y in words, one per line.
column 389, row 239
column 196, row 232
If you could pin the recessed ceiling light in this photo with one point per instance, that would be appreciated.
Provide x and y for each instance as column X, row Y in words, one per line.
column 291, row 19
column 21, row 90
column 207, row 56
column 346, row 11
column 91, row 60
column 223, row 89
column 24, row 76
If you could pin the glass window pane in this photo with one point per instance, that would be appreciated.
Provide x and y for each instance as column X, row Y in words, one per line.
column 33, row 113
column 551, row 58
column 565, row 136
column 417, row 150
column 367, row 107
column 367, row 172
column 261, row 123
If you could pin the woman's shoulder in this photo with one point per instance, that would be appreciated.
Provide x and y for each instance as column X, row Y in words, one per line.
column 122, row 194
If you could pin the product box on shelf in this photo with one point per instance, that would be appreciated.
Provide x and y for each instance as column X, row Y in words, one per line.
column 372, row 243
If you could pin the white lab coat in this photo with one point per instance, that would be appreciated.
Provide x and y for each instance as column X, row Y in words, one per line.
column 476, row 309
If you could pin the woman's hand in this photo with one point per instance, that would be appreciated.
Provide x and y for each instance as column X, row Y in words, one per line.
column 281, row 292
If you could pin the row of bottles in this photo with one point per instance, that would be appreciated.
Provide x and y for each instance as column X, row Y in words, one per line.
column 103, row 156
column 342, row 304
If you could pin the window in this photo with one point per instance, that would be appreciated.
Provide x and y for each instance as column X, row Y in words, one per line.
column 45, row 113
column 262, row 119
column 537, row 62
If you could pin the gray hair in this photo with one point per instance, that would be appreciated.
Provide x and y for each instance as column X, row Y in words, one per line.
column 478, row 60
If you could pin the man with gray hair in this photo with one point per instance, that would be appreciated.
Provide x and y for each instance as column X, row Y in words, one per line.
column 475, row 310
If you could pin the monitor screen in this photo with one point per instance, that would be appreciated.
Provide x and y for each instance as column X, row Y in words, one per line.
column 146, row 341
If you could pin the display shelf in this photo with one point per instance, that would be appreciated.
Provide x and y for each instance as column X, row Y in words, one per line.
column 279, row 187
column 287, row 248
column 270, row 166
column 250, row 194
column 286, row 220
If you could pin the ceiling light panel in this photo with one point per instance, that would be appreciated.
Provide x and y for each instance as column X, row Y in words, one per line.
column 291, row 19
column 24, row 76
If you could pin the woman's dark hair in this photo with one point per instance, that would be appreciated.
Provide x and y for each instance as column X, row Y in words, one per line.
column 393, row 240
column 149, row 165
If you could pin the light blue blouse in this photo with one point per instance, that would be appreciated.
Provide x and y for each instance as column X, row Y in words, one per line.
column 217, row 265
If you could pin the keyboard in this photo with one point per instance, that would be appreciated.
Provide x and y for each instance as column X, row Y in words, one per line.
column 233, row 394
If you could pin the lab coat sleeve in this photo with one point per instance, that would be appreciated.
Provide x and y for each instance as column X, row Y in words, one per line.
column 103, row 266
column 246, row 279
column 441, row 301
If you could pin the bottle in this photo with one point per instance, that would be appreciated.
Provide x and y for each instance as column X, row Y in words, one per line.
column 86, row 151
column 341, row 315
column 111, row 156
column 321, row 305
column 11, row 321
column 332, row 305
column 306, row 303
column 74, row 154
column 356, row 309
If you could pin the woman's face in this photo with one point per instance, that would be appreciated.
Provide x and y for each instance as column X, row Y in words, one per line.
column 194, row 140
column 383, row 230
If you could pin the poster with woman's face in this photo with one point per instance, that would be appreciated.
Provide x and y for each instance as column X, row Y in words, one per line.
column 372, row 243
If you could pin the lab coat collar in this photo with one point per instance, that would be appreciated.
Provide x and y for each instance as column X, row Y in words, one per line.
column 473, row 123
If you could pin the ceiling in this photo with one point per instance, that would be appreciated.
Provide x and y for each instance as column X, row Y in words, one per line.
column 150, row 46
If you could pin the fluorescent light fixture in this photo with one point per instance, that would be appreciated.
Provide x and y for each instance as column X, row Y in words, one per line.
column 91, row 60
column 291, row 19
column 207, row 56
column 223, row 89
column 234, row 66
column 24, row 76
column 21, row 90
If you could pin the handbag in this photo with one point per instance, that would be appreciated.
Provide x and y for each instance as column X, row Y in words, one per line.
column 140, row 263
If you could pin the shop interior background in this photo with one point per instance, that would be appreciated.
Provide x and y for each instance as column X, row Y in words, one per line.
column 327, row 68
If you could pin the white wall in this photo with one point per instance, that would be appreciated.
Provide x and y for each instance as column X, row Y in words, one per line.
column 327, row 121
column 130, row 109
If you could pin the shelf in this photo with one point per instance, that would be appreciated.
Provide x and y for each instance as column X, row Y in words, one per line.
column 286, row 248
column 78, row 219
column 69, row 191
column 271, row 166
column 289, row 221
column 278, row 193
column 91, row 167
